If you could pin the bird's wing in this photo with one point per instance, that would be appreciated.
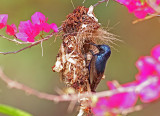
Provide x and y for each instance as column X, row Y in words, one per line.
column 93, row 74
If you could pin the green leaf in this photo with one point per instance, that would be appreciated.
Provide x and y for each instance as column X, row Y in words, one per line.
column 11, row 111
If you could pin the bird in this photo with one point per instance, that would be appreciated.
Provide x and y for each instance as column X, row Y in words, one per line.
column 97, row 65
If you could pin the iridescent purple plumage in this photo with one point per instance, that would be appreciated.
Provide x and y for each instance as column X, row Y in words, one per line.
column 97, row 65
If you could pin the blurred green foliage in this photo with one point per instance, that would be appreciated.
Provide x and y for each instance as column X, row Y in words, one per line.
column 33, row 69
column 10, row 111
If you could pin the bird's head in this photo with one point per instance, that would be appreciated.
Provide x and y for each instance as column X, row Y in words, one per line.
column 103, row 49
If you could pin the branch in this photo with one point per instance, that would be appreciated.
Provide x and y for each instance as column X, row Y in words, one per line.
column 156, row 7
column 72, row 97
column 16, row 85
column 14, row 40
column 14, row 52
column 146, row 18
column 32, row 43
column 76, row 97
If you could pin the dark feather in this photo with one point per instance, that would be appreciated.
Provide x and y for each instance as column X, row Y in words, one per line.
column 97, row 65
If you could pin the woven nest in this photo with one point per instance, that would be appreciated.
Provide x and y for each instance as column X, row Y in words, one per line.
column 79, row 29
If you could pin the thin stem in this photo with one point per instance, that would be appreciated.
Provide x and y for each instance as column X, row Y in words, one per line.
column 73, row 97
column 153, row 5
column 14, row 40
column 146, row 18
column 77, row 97
column 14, row 52
column 32, row 44
column 99, row 2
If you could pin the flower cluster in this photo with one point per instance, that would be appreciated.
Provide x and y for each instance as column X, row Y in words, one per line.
column 149, row 68
column 28, row 30
column 139, row 7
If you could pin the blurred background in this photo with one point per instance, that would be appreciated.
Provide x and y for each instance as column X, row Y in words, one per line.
column 34, row 70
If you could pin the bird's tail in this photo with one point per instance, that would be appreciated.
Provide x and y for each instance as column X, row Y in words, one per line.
column 95, row 82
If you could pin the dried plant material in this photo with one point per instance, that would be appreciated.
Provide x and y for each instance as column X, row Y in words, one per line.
column 79, row 29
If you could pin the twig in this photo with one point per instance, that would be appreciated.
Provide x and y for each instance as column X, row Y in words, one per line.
column 124, row 112
column 28, row 90
column 156, row 7
column 14, row 40
column 32, row 44
column 18, row 42
column 146, row 18
column 14, row 52
column 99, row 2
column 76, row 97
column 73, row 97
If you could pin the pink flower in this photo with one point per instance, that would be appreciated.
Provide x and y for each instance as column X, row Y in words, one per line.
column 11, row 29
column 38, row 18
column 40, row 21
column 139, row 8
column 27, row 31
column 146, row 66
column 54, row 27
column 149, row 67
column 101, row 108
column 122, row 100
column 150, row 92
column 3, row 20
column 117, row 101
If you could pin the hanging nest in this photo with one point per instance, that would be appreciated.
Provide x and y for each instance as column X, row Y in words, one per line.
column 79, row 29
